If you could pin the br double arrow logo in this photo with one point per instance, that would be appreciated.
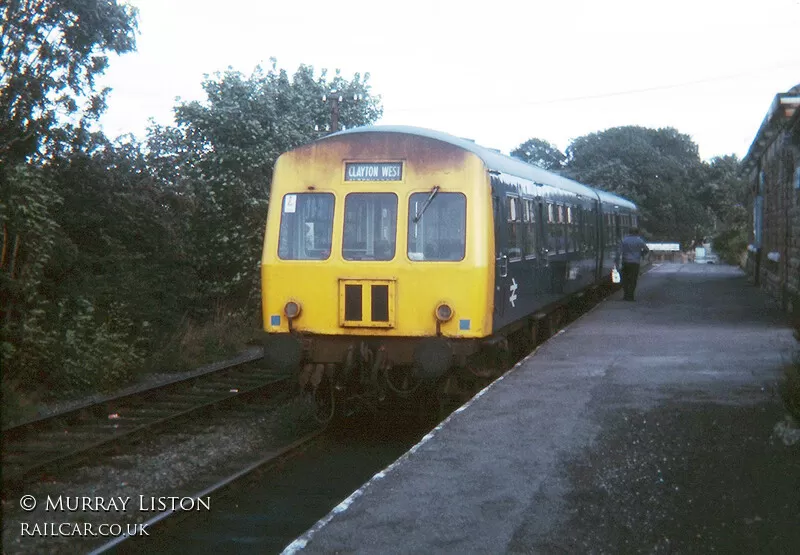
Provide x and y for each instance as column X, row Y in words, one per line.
column 513, row 288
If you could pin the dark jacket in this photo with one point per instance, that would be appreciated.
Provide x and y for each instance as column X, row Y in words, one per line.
column 632, row 248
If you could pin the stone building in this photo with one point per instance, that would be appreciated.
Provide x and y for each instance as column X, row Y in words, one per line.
column 772, row 166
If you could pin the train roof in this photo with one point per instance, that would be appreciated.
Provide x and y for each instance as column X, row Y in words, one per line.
column 616, row 200
column 495, row 160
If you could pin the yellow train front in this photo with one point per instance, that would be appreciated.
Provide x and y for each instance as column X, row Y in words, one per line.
column 378, row 264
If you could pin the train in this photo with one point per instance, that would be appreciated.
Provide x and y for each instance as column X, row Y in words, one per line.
column 403, row 264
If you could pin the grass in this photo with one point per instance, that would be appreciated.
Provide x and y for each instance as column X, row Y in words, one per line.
column 192, row 345
column 790, row 389
column 196, row 344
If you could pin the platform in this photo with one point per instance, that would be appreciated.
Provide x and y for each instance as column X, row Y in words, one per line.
column 643, row 426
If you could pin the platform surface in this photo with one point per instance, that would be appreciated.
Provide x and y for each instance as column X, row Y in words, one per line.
column 643, row 426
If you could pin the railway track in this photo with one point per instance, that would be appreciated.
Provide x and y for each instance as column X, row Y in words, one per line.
column 127, row 543
column 48, row 445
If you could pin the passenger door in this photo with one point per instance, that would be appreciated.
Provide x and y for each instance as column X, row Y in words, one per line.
column 501, row 258
column 545, row 268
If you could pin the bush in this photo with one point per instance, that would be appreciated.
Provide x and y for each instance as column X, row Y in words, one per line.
column 220, row 335
column 730, row 244
column 790, row 389
column 96, row 352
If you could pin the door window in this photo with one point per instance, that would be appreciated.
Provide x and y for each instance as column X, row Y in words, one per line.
column 370, row 226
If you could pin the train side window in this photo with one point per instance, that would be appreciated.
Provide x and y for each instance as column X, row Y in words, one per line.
column 529, row 221
column 515, row 232
column 440, row 232
column 306, row 226
column 370, row 226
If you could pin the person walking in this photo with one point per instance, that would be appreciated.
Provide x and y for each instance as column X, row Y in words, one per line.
column 630, row 252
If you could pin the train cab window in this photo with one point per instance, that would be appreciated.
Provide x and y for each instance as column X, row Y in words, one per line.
column 437, row 224
column 306, row 226
column 370, row 226
column 529, row 223
column 515, row 231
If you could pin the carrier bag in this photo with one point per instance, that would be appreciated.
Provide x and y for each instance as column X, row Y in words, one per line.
column 615, row 277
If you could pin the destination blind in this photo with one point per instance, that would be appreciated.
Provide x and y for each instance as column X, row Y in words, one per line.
column 373, row 171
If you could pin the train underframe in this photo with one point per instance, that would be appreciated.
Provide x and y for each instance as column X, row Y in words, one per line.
column 430, row 375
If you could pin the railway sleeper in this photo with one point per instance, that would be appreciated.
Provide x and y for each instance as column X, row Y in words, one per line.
column 76, row 434
column 15, row 459
column 179, row 402
column 38, row 447
column 154, row 412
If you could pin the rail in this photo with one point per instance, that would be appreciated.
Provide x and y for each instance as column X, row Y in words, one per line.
column 42, row 444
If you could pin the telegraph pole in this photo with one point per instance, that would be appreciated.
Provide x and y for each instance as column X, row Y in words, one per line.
column 335, row 98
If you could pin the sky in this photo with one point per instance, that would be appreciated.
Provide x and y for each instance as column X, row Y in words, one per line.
column 498, row 72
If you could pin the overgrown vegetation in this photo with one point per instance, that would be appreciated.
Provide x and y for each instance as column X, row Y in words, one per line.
column 789, row 386
column 790, row 389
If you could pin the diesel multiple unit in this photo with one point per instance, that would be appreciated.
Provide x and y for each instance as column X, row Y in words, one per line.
column 395, row 257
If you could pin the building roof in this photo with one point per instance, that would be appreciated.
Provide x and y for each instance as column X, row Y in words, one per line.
column 495, row 160
column 784, row 106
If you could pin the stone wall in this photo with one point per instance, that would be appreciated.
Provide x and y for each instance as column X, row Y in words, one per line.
column 779, row 271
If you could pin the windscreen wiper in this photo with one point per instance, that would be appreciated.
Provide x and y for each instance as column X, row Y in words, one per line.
column 427, row 203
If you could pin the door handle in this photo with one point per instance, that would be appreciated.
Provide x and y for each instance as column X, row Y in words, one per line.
column 502, row 265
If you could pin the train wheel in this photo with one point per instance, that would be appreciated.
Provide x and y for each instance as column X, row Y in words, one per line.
column 325, row 405
column 402, row 380
column 447, row 397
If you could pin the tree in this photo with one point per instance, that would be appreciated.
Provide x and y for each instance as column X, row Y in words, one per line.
column 219, row 158
column 540, row 153
column 658, row 169
column 725, row 194
column 51, row 51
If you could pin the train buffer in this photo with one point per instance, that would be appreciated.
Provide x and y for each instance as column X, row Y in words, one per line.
column 644, row 426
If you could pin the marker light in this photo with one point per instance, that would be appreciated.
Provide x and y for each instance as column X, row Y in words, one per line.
column 444, row 312
column 292, row 310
